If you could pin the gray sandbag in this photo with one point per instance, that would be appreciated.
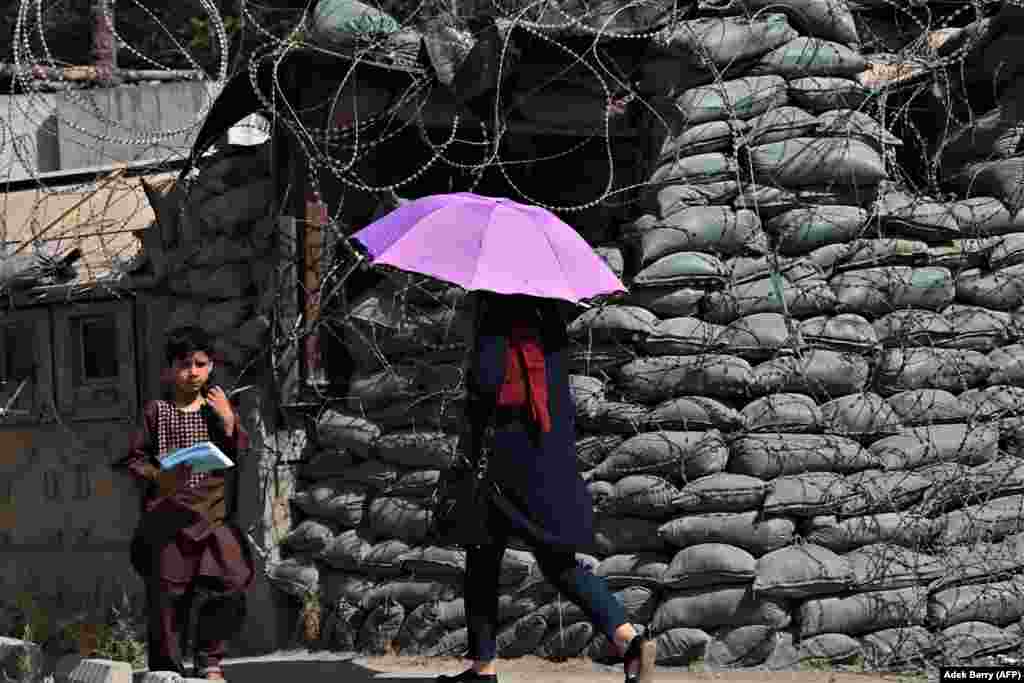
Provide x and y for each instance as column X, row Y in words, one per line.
column 863, row 612
column 884, row 566
column 587, row 394
column 433, row 562
column 711, row 168
column 919, row 446
column 310, row 537
column 709, row 564
column 819, row 372
column 633, row 569
column 870, row 253
column 991, row 520
column 678, row 270
column 667, row 301
column 863, row 416
column 873, row 491
column 1005, row 251
column 517, row 566
column 833, row 648
column 857, row 124
column 775, row 125
column 295, row 576
column 921, row 407
column 337, row 430
column 561, row 613
column 782, row 412
column 828, row 19
column 954, row 370
column 683, row 336
column 337, row 502
column 348, row 550
column 801, row 571
column 713, row 136
column 1002, row 289
column 1007, row 365
column 652, row 380
column 613, row 323
column 420, row 629
column 978, row 328
column 998, row 178
column 642, row 495
column 665, row 453
column 873, row 292
column 723, row 41
column 617, row 417
column 372, row 474
column 773, row 455
column 415, row 484
column 665, row 200
column 522, row 637
column 807, row 494
column 693, row 413
column 406, row 519
column 622, row 535
column 810, row 161
column 967, row 641
column 732, row 606
column 601, row 493
column 844, row 332
column 722, row 492
column 807, row 56
column 704, row 228
column 802, row 298
column 746, row 530
column 1000, row 603
column 419, row 450
column 743, row 646
column 894, row 647
column 981, row 562
column 382, row 389
column 639, row 602
column 409, row 593
column 843, row 535
column 742, row 98
column 801, row 231
column 826, row 93
column 680, row 646
column 345, row 586
column 755, row 337
column 613, row 257
column 593, row 449
column 993, row 402
column 452, row 644
column 913, row 327
column 379, row 632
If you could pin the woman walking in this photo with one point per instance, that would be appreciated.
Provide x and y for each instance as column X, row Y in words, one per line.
column 518, row 382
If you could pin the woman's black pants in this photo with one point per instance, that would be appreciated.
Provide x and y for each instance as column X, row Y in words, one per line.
column 574, row 582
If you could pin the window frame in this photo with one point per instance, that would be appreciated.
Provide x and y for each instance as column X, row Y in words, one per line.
column 42, row 387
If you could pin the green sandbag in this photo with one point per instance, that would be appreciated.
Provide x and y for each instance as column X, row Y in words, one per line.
column 828, row 19
column 817, row 161
column 824, row 93
column 780, row 123
column 699, row 169
column 743, row 97
column 806, row 56
column 801, row 231
column 339, row 22
column 725, row 40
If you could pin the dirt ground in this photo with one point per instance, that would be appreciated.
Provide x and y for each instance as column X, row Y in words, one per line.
column 537, row 670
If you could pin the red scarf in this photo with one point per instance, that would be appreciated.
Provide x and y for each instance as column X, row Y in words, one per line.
column 525, row 379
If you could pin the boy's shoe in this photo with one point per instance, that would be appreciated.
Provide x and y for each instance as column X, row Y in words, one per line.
column 467, row 676
column 645, row 651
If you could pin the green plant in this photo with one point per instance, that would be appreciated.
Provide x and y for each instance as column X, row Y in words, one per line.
column 119, row 638
column 816, row 664
column 696, row 665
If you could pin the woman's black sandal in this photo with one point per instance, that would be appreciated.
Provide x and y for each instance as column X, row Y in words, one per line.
column 467, row 676
column 643, row 650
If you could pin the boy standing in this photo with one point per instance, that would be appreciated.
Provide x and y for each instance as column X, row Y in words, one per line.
column 185, row 541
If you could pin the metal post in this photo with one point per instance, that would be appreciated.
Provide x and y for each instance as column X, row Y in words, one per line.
column 104, row 45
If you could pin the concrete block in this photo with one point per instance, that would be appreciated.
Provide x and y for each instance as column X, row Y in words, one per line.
column 101, row 671
column 167, row 677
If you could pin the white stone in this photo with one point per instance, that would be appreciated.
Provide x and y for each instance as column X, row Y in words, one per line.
column 101, row 671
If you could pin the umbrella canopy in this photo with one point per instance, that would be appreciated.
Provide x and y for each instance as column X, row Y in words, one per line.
column 490, row 244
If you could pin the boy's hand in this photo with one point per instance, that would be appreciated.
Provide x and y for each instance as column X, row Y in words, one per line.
column 222, row 406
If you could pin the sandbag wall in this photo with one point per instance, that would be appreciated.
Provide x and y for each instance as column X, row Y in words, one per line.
column 800, row 428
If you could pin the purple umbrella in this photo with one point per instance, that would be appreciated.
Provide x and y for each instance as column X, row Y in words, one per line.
column 491, row 244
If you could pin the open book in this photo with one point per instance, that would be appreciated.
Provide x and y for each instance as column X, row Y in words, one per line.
column 203, row 457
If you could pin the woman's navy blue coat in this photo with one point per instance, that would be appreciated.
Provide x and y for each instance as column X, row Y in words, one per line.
column 536, row 471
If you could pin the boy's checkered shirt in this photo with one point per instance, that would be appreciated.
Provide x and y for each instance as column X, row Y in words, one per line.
column 179, row 429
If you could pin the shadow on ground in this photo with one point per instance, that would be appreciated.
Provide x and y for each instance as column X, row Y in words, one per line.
column 307, row 671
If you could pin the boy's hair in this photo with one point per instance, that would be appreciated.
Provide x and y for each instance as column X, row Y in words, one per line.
column 182, row 341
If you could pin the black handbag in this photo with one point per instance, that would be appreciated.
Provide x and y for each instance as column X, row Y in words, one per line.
column 462, row 501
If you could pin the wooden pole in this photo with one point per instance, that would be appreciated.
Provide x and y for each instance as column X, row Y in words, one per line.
column 104, row 45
